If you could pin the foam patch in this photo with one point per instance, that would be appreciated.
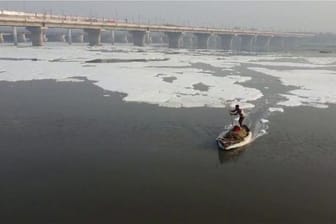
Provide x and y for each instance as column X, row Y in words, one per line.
column 315, row 88
column 139, row 79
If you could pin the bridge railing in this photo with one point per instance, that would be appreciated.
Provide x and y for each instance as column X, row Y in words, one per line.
column 55, row 17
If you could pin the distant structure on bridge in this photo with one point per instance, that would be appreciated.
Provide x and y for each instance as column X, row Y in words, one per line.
column 176, row 36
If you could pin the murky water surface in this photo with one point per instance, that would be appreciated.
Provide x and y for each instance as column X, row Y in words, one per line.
column 133, row 142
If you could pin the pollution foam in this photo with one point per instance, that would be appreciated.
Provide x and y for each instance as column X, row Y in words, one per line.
column 138, row 80
column 315, row 88
column 275, row 109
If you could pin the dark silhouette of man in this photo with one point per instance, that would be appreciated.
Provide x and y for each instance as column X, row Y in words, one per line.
column 238, row 111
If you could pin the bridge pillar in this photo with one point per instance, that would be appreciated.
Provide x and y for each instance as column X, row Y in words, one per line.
column 138, row 37
column 226, row 41
column 174, row 39
column 202, row 40
column 61, row 38
column 22, row 37
column 45, row 38
column 112, row 37
column 69, row 36
column 277, row 44
column 15, row 38
column 94, row 36
column 37, row 35
column 148, row 38
column 80, row 38
column 125, row 39
column 1, row 38
column 246, row 42
column 262, row 43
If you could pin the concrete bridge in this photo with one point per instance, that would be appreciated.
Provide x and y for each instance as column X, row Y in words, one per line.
column 37, row 24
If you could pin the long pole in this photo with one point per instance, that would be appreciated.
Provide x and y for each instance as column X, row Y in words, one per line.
column 231, row 118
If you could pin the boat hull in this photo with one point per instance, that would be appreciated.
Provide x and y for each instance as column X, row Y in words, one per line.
column 224, row 146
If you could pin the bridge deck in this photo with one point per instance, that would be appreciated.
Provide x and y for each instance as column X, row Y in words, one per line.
column 10, row 18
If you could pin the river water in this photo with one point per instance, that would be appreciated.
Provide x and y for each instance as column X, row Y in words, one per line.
column 133, row 142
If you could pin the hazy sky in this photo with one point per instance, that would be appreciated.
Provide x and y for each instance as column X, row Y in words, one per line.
column 281, row 16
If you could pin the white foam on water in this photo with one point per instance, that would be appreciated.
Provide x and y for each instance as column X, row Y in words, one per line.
column 143, row 85
column 276, row 109
column 274, row 60
column 262, row 132
column 242, row 105
column 260, row 128
column 264, row 120
column 291, row 64
column 321, row 60
column 295, row 101
column 69, row 80
column 139, row 80
column 315, row 88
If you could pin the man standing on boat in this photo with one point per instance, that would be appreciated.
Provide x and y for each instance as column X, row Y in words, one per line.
column 238, row 111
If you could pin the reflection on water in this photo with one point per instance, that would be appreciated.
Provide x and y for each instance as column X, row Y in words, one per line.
column 231, row 155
